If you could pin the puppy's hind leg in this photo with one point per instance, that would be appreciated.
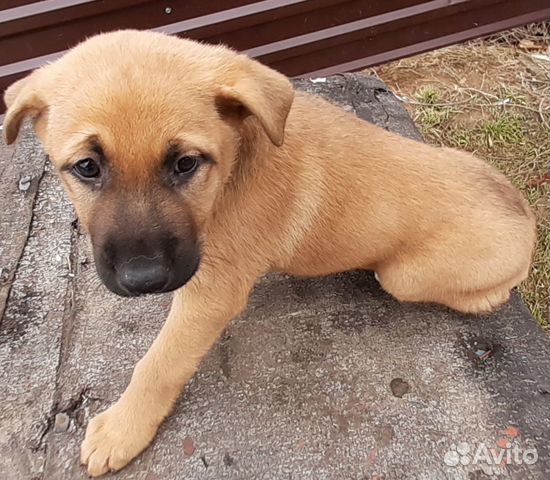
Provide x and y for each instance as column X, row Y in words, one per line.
column 484, row 301
column 424, row 280
column 488, row 299
column 405, row 282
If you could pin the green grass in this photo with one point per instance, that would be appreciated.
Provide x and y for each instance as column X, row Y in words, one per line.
column 504, row 130
column 432, row 115
column 429, row 95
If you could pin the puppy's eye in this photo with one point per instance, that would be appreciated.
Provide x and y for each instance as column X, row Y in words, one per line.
column 87, row 168
column 187, row 164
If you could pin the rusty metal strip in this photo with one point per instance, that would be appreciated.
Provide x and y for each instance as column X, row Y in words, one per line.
column 39, row 8
column 351, row 27
column 225, row 15
column 428, row 45
column 297, row 37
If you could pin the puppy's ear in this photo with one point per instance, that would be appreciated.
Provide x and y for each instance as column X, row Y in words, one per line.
column 262, row 92
column 23, row 98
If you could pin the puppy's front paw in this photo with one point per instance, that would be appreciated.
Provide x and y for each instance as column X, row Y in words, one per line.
column 113, row 439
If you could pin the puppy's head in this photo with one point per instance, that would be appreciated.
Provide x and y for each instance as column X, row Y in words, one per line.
column 144, row 130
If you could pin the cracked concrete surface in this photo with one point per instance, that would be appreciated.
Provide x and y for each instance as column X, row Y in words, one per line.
column 325, row 378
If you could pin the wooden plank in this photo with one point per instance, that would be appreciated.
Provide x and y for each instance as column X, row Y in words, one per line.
column 20, row 172
column 35, row 245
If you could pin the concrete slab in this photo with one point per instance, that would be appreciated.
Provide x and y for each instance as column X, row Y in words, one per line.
column 21, row 171
column 322, row 378
column 36, row 245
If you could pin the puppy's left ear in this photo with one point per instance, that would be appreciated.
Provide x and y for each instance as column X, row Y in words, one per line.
column 262, row 92
column 23, row 98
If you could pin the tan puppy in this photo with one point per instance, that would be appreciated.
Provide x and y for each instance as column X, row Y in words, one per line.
column 192, row 165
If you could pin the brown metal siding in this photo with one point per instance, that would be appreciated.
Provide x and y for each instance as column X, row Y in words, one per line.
column 297, row 37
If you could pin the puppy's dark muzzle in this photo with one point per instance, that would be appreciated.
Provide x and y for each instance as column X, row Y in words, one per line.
column 142, row 276
column 130, row 271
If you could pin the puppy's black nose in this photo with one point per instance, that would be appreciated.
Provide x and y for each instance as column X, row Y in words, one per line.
column 143, row 275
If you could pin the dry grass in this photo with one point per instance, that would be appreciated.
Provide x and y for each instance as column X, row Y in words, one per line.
column 490, row 97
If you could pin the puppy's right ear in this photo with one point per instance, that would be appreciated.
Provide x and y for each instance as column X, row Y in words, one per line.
column 23, row 98
column 256, row 89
